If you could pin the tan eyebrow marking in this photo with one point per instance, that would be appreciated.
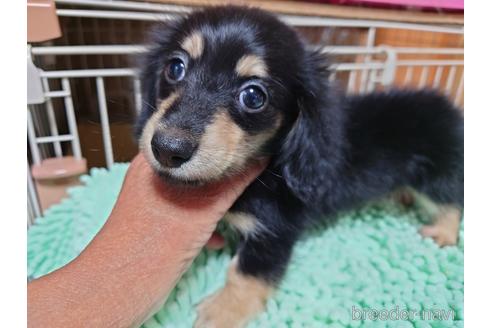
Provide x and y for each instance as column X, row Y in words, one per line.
column 251, row 65
column 193, row 44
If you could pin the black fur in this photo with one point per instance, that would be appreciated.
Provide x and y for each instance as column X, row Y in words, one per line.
column 332, row 151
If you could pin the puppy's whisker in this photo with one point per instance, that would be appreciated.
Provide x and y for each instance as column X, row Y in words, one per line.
column 264, row 184
column 277, row 82
column 275, row 174
column 149, row 104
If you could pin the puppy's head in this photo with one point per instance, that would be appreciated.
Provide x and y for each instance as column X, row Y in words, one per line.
column 221, row 87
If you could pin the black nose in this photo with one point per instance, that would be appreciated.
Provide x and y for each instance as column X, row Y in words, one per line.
column 171, row 150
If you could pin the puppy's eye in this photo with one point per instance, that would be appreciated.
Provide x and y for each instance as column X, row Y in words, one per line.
column 175, row 70
column 253, row 98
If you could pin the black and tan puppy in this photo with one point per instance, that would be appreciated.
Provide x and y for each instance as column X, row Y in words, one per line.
column 228, row 85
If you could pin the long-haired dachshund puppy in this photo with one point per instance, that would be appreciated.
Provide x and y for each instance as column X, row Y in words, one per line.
column 225, row 86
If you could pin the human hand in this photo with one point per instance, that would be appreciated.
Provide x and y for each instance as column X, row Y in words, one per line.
column 151, row 237
column 195, row 209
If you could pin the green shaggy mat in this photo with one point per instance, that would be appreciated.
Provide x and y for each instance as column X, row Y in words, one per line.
column 372, row 264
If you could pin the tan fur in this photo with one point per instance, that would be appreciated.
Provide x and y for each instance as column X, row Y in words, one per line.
column 242, row 298
column 216, row 151
column 194, row 45
column 151, row 126
column 251, row 65
column 224, row 147
column 243, row 222
column 445, row 225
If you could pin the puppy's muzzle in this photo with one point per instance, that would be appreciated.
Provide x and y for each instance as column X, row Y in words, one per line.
column 172, row 149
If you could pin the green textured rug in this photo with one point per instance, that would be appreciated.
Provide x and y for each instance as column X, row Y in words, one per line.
column 373, row 258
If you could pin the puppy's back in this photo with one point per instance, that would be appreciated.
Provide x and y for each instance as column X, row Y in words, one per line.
column 411, row 136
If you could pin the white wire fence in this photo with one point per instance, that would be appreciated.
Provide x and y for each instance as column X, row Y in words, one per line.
column 361, row 69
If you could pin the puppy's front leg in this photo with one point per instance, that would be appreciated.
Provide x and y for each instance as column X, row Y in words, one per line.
column 242, row 297
column 251, row 279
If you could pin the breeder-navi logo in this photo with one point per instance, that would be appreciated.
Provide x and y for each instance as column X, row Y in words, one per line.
column 396, row 313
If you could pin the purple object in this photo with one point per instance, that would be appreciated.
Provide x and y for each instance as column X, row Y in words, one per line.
column 454, row 5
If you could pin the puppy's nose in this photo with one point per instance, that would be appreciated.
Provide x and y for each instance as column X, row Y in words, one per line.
column 170, row 150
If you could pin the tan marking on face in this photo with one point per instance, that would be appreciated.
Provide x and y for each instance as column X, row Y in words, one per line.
column 251, row 65
column 217, row 150
column 223, row 147
column 243, row 222
column 151, row 126
column 241, row 299
column 194, row 44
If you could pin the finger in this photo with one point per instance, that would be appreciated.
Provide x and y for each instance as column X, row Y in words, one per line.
column 216, row 241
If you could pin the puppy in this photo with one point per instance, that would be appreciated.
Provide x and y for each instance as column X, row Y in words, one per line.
column 225, row 86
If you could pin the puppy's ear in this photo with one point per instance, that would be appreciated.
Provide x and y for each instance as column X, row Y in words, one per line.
column 150, row 65
column 313, row 147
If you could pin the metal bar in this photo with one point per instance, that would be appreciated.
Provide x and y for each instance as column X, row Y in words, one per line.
column 437, row 77
column 371, row 84
column 33, row 195
column 124, row 49
column 57, row 138
column 364, row 85
column 324, row 21
column 72, row 121
column 429, row 51
column 408, row 75
column 350, row 50
column 30, row 213
column 289, row 19
column 55, row 94
column 450, row 80
column 371, row 37
column 127, row 15
column 423, row 77
column 137, row 94
column 357, row 66
column 89, row 73
column 51, row 119
column 103, row 112
column 459, row 91
column 31, row 137
column 351, row 81
column 127, row 5
column 112, row 72
column 121, row 49
column 430, row 62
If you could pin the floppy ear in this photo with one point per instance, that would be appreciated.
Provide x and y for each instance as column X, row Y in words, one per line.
column 313, row 148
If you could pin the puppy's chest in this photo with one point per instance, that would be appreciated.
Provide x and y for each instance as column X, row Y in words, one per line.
column 252, row 211
column 262, row 208
column 242, row 222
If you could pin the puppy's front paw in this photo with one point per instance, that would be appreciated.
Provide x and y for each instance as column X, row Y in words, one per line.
column 442, row 235
column 241, row 299
column 445, row 228
column 223, row 310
